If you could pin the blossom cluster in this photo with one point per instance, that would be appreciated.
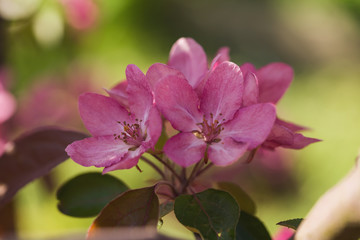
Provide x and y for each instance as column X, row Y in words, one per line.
column 220, row 110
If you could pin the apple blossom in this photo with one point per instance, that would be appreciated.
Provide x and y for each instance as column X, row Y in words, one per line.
column 212, row 125
column 119, row 137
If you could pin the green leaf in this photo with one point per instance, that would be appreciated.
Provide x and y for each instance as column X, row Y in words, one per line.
column 251, row 228
column 166, row 208
column 212, row 213
column 243, row 199
column 291, row 223
column 85, row 195
column 33, row 155
column 133, row 208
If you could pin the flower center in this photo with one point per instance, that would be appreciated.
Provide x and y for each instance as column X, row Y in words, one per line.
column 210, row 129
column 131, row 134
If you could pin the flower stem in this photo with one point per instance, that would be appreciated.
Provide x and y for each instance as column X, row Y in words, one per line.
column 167, row 166
column 204, row 169
column 156, row 168
column 192, row 176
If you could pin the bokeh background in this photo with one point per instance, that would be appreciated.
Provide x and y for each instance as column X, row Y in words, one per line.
column 52, row 50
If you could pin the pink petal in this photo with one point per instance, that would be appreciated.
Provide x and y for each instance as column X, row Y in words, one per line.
column 140, row 96
column 178, row 102
column 247, row 67
column 81, row 14
column 292, row 126
column 158, row 71
column 154, row 126
column 189, row 57
column 130, row 159
column 101, row 114
column 124, row 164
column 224, row 54
column 279, row 136
column 185, row 149
column 226, row 152
column 100, row 151
column 274, row 80
column 301, row 141
column 119, row 93
column 7, row 105
column 251, row 89
column 283, row 234
column 221, row 56
column 251, row 124
column 222, row 95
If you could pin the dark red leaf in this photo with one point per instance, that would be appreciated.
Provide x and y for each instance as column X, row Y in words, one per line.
column 33, row 155
column 133, row 208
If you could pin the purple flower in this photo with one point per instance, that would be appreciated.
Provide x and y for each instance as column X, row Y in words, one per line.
column 212, row 125
column 120, row 136
column 268, row 84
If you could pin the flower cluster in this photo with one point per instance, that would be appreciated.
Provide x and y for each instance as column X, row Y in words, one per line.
column 220, row 110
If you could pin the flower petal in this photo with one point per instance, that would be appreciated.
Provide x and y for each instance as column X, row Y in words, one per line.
column 226, row 152
column 7, row 105
column 189, row 57
column 279, row 136
column 130, row 159
column 292, row 126
column 124, row 164
column 154, row 127
column 247, row 67
column 251, row 89
column 101, row 114
column 140, row 96
column 100, row 151
column 300, row 141
column 221, row 56
column 251, row 124
column 185, row 149
column 274, row 80
column 119, row 93
column 222, row 95
column 178, row 102
column 158, row 71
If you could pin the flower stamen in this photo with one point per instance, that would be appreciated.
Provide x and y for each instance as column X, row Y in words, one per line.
column 131, row 134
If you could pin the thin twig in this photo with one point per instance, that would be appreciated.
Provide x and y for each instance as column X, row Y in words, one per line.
column 204, row 169
column 192, row 176
column 167, row 166
column 156, row 168
column 183, row 173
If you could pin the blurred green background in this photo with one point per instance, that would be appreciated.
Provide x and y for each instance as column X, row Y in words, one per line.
column 320, row 39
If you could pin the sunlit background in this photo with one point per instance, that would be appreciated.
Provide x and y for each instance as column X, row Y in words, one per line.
column 52, row 50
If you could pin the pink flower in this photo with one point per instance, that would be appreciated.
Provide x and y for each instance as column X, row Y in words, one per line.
column 268, row 84
column 284, row 234
column 212, row 124
column 119, row 137
column 81, row 14
column 7, row 102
